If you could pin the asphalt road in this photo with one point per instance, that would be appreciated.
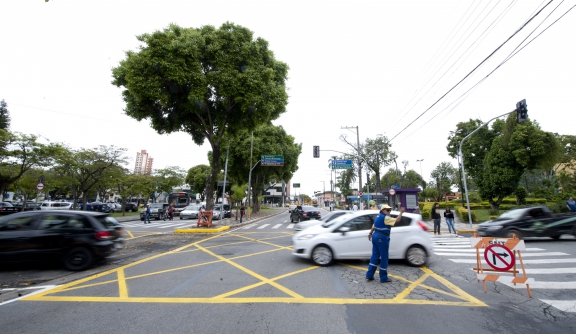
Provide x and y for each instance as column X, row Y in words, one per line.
column 247, row 281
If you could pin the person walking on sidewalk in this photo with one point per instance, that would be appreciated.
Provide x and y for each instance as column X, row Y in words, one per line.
column 449, row 216
column 436, row 217
column 241, row 212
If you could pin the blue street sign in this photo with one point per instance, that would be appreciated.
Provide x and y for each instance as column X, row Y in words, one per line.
column 342, row 164
column 272, row 160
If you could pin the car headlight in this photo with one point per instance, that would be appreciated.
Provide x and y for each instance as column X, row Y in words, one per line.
column 306, row 236
column 493, row 228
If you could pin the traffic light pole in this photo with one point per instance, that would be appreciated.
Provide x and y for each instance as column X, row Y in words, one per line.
column 462, row 165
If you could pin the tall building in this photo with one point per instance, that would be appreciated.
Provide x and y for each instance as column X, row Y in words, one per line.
column 143, row 163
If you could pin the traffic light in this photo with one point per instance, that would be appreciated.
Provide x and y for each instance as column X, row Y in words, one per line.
column 316, row 151
column 521, row 111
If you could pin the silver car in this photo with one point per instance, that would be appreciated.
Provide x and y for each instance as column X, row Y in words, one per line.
column 326, row 218
column 190, row 212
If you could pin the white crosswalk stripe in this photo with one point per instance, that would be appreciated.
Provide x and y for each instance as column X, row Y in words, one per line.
column 263, row 226
column 458, row 250
column 277, row 225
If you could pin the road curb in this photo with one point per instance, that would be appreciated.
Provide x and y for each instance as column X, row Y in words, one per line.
column 203, row 230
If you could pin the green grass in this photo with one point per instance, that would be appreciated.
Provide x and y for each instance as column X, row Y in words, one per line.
column 484, row 214
column 119, row 214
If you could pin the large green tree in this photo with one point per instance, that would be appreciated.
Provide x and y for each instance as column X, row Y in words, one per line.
column 497, row 158
column 376, row 154
column 444, row 176
column 4, row 116
column 197, row 177
column 204, row 81
column 268, row 140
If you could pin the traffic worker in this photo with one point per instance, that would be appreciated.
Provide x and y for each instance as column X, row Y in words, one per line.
column 381, row 243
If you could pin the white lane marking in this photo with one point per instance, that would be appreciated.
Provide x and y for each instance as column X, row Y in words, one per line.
column 562, row 305
column 290, row 226
column 473, row 250
column 523, row 255
column 277, row 225
column 543, row 261
column 263, row 226
column 41, row 288
column 546, row 285
column 249, row 226
column 544, row 271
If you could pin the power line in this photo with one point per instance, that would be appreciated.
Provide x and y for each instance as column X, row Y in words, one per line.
column 472, row 71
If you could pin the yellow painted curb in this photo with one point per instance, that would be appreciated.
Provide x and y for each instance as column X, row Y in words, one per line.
column 465, row 231
column 203, row 230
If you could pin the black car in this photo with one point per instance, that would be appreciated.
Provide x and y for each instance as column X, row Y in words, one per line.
column 74, row 237
column 7, row 208
column 536, row 221
column 304, row 212
column 227, row 212
column 133, row 207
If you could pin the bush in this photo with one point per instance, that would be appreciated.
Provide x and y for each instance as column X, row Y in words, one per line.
column 521, row 194
column 426, row 210
column 463, row 213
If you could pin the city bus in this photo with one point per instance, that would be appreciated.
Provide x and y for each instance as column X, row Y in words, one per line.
column 179, row 201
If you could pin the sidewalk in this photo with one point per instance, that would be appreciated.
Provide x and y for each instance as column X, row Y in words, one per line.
column 461, row 226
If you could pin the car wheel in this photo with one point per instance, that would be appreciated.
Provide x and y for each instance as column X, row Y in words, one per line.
column 322, row 255
column 180, row 217
column 77, row 259
column 416, row 256
column 142, row 219
column 291, row 220
column 555, row 237
column 512, row 233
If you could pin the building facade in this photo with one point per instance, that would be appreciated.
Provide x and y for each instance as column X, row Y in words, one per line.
column 143, row 163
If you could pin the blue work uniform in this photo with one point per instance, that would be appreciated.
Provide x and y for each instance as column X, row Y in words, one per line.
column 147, row 216
column 380, row 245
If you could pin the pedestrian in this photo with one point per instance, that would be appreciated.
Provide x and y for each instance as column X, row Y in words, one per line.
column 332, row 206
column 241, row 212
column 147, row 215
column 380, row 237
column 449, row 217
column 571, row 205
column 436, row 216
column 417, row 210
column 354, row 207
column 171, row 212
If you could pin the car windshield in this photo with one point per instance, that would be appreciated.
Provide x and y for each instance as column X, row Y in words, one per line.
column 512, row 214
column 335, row 221
column 192, row 207
column 309, row 208
column 108, row 221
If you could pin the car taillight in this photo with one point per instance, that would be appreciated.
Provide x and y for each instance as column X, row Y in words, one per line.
column 303, row 213
column 104, row 235
column 423, row 226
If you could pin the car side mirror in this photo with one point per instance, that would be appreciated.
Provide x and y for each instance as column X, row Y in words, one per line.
column 344, row 230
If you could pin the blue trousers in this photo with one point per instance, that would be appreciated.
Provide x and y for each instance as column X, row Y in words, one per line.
column 380, row 245
column 450, row 223
column 147, row 218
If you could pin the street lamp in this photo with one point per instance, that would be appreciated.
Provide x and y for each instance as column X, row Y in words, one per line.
column 420, row 161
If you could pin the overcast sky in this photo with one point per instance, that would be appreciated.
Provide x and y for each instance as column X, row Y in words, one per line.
column 377, row 65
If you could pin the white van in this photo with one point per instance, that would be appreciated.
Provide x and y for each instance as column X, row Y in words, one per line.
column 56, row 206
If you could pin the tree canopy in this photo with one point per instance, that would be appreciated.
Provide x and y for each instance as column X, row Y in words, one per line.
column 204, row 81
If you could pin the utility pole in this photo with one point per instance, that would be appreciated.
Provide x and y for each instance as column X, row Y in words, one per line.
column 250, row 173
column 359, row 162
column 225, row 172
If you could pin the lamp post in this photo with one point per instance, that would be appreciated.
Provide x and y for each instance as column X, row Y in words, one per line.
column 359, row 162
column 420, row 161
column 323, row 192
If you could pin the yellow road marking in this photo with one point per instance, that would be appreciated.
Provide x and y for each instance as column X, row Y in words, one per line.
column 123, row 296
column 130, row 233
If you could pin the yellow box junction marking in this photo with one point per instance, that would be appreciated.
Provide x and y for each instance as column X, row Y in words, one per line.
column 463, row 299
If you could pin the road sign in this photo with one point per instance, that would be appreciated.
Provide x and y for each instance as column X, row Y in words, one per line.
column 272, row 160
column 499, row 257
column 296, row 185
column 342, row 164
column 40, row 186
column 361, row 194
column 316, row 151
column 392, row 192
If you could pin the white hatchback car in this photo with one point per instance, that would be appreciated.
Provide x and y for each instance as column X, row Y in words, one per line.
column 347, row 238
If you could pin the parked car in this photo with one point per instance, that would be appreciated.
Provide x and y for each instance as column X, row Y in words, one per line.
column 326, row 218
column 21, row 207
column 304, row 212
column 157, row 211
column 94, row 206
column 107, row 208
column 536, row 221
column 190, row 212
column 131, row 207
column 116, row 207
column 7, row 208
column 226, row 212
column 55, row 205
column 76, row 238
column 217, row 212
column 346, row 237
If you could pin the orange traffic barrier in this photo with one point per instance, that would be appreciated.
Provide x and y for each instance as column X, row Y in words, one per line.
column 500, row 254
column 205, row 218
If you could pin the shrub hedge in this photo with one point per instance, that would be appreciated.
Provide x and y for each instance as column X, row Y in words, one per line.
column 463, row 213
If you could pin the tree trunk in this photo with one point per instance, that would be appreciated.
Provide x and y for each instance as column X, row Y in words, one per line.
column 212, row 178
column 495, row 205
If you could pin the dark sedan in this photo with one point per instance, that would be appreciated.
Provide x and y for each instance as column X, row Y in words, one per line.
column 304, row 212
column 7, row 208
column 74, row 237
column 133, row 207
